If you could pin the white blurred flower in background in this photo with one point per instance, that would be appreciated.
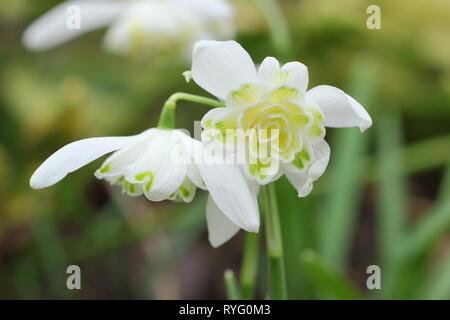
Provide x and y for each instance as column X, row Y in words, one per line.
column 136, row 25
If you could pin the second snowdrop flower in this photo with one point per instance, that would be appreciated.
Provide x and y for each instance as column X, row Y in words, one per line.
column 162, row 164
column 141, row 164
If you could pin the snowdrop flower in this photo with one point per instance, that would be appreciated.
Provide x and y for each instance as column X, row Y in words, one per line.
column 142, row 164
column 159, row 25
column 273, row 97
column 162, row 164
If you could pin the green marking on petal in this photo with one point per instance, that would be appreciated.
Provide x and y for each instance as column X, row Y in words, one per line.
column 300, row 119
column 105, row 168
column 220, row 125
column 227, row 123
column 316, row 131
column 301, row 159
column 283, row 93
column 184, row 191
column 247, row 94
column 253, row 168
column 208, row 123
column 305, row 155
column 256, row 168
column 317, row 115
column 298, row 162
column 142, row 176
column 281, row 77
column 129, row 187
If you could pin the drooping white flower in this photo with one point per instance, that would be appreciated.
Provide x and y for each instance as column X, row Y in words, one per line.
column 142, row 164
column 273, row 97
column 161, row 164
column 157, row 25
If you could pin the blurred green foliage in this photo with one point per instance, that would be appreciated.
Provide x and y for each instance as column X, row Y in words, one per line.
column 384, row 199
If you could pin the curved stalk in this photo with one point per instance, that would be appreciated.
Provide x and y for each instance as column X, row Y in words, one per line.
column 167, row 117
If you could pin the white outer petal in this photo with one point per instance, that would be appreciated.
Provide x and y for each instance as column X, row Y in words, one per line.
column 228, row 186
column 220, row 67
column 220, row 228
column 74, row 156
column 339, row 109
column 51, row 30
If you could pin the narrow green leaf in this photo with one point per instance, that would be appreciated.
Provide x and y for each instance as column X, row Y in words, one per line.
column 391, row 204
column 297, row 218
column 429, row 230
column 438, row 287
column 329, row 283
column 231, row 286
column 417, row 157
column 345, row 179
column 412, row 255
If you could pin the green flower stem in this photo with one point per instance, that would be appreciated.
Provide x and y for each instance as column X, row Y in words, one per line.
column 167, row 118
column 231, row 286
column 278, row 28
column 269, row 209
column 249, row 268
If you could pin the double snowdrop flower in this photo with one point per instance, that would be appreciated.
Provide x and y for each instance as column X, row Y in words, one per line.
column 135, row 25
column 273, row 98
column 141, row 165
column 163, row 164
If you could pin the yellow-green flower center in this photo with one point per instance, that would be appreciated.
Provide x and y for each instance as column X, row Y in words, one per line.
column 278, row 125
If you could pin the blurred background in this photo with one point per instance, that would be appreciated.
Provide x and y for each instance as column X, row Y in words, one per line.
column 385, row 199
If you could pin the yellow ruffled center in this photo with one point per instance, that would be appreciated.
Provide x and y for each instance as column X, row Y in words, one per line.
column 276, row 125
